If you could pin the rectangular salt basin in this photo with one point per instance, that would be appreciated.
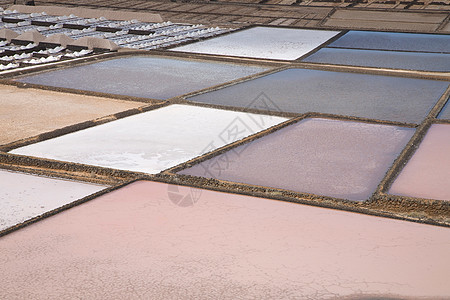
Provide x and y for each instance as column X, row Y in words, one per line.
column 152, row 141
column 382, row 59
column 340, row 159
column 427, row 173
column 445, row 113
column 142, row 76
column 225, row 246
column 350, row 94
column 263, row 42
column 25, row 196
column 437, row 43
column 29, row 112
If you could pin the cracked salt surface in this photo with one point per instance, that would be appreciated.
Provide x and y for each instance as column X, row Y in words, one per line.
column 24, row 196
column 340, row 159
column 152, row 141
column 263, row 42
column 135, row 242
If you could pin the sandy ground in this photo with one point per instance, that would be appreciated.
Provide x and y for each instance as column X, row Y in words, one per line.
column 28, row 112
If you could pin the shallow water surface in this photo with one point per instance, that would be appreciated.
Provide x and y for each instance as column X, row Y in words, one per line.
column 339, row 159
column 141, row 76
column 427, row 174
column 445, row 113
column 383, row 59
column 350, row 94
column 437, row 43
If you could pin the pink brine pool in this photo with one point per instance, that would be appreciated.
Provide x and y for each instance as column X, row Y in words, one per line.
column 427, row 174
column 340, row 159
column 137, row 242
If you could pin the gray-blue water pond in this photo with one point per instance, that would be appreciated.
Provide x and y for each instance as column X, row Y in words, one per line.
column 350, row 94
column 394, row 41
column 141, row 76
column 445, row 113
column 383, row 59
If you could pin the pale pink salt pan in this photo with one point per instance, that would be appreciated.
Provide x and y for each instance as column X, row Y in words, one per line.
column 136, row 243
column 427, row 174
column 341, row 159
